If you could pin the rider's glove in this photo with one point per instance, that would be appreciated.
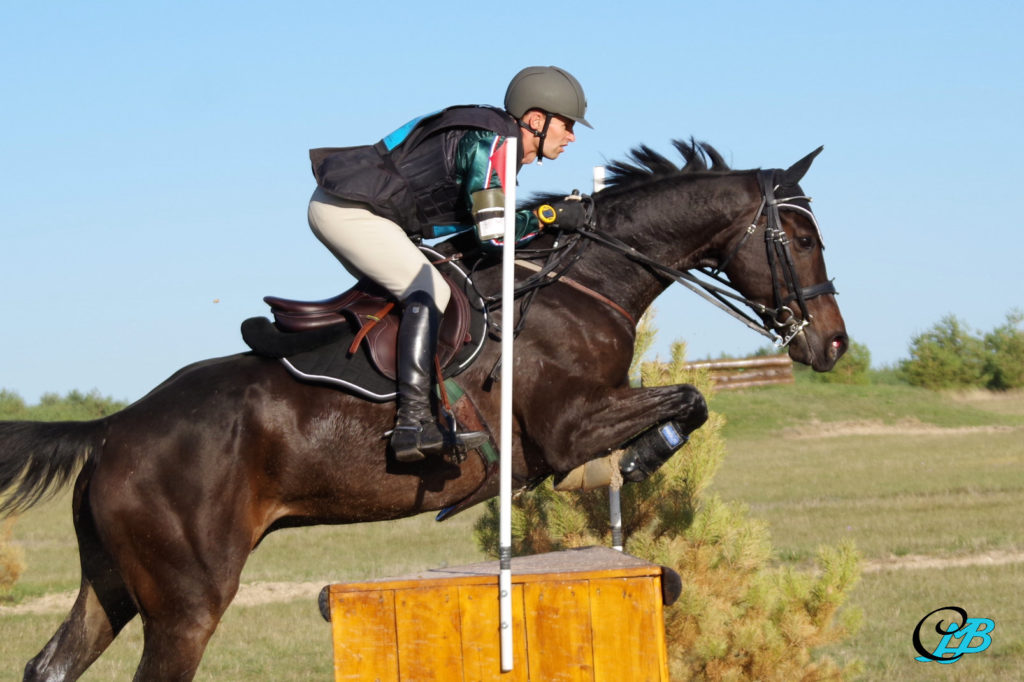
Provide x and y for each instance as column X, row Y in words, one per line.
column 569, row 214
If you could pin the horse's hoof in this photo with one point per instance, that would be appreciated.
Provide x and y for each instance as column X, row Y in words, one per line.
column 632, row 470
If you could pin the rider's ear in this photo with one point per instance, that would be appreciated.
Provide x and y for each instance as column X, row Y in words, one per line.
column 793, row 174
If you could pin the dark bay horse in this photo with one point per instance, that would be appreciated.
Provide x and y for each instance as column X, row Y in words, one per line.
column 176, row 490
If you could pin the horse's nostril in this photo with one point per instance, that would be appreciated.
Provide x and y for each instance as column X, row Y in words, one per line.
column 839, row 345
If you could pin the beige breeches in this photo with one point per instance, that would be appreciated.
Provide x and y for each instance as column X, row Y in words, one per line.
column 371, row 246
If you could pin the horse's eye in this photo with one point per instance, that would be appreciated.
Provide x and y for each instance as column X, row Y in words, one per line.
column 804, row 243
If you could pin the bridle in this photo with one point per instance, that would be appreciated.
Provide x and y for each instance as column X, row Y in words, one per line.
column 779, row 323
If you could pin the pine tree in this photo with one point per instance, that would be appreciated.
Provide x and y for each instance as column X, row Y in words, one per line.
column 738, row 618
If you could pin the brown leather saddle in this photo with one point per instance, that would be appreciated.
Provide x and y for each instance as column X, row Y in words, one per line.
column 374, row 315
column 350, row 341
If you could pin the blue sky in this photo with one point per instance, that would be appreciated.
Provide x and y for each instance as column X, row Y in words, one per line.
column 154, row 172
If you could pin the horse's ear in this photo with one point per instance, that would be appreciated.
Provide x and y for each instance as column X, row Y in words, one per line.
column 793, row 174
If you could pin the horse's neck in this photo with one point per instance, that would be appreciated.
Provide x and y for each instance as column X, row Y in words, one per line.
column 676, row 227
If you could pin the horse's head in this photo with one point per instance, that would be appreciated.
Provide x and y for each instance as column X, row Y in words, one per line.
column 751, row 232
column 775, row 259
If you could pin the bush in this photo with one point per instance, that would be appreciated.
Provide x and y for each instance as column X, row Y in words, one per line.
column 949, row 355
column 11, row 405
column 946, row 356
column 75, row 406
column 1004, row 358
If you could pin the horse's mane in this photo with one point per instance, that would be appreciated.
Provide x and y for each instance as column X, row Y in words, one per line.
column 644, row 164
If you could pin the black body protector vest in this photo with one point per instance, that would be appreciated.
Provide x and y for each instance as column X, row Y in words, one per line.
column 409, row 177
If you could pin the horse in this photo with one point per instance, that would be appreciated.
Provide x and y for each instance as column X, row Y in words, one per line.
column 174, row 491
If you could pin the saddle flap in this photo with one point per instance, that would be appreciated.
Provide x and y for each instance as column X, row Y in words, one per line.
column 378, row 330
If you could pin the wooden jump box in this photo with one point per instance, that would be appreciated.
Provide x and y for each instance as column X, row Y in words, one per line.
column 585, row 614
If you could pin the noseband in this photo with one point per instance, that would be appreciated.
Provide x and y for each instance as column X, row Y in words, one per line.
column 779, row 324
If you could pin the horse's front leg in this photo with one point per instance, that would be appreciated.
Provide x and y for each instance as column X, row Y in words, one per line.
column 595, row 420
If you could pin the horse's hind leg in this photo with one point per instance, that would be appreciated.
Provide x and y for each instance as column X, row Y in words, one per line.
column 82, row 637
column 102, row 609
column 184, row 588
column 178, row 619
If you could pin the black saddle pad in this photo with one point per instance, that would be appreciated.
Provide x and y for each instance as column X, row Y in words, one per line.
column 321, row 356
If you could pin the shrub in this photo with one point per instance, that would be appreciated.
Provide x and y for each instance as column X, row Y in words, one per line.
column 1004, row 358
column 75, row 406
column 946, row 356
column 11, row 405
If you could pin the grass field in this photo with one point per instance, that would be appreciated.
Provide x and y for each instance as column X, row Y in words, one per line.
column 929, row 486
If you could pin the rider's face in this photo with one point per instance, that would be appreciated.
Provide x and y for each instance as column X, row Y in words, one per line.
column 560, row 134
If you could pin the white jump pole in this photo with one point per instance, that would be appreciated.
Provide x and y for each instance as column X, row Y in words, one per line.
column 615, row 516
column 507, row 367
column 614, row 498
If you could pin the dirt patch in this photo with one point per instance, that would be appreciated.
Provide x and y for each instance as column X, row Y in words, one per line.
column 916, row 562
column 58, row 602
column 876, row 427
column 257, row 594
column 251, row 594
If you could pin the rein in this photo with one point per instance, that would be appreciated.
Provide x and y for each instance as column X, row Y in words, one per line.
column 785, row 325
column 779, row 324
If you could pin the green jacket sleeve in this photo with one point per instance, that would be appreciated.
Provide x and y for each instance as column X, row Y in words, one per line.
column 474, row 168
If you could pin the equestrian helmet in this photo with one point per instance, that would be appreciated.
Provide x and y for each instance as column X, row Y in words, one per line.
column 548, row 88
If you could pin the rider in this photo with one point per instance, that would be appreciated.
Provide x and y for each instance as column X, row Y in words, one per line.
column 373, row 202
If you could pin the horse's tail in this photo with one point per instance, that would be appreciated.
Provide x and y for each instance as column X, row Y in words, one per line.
column 38, row 458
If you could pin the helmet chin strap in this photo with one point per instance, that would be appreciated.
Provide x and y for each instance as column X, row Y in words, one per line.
column 542, row 134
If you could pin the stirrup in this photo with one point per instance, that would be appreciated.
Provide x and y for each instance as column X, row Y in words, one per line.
column 408, row 446
column 471, row 440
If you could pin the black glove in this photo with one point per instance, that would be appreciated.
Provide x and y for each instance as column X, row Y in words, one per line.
column 569, row 214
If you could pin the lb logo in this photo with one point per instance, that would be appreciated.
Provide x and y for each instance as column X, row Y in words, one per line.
column 971, row 635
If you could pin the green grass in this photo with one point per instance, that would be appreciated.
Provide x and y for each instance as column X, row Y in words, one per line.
column 895, row 602
column 946, row 493
column 760, row 412
column 938, row 493
column 280, row 642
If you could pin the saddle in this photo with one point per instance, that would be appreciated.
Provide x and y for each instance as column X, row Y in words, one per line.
column 350, row 340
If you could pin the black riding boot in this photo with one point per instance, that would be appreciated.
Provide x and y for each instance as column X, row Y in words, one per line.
column 416, row 433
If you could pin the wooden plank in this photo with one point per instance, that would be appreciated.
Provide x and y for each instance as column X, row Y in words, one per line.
column 363, row 633
column 481, row 644
column 748, row 372
column 744, row 363
column 429, row 634
column 571, row 563
column 627, row 616
column 558, row 631
column 589, row 614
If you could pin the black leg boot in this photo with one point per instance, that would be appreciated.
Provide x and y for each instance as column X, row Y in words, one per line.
column 416, row 433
